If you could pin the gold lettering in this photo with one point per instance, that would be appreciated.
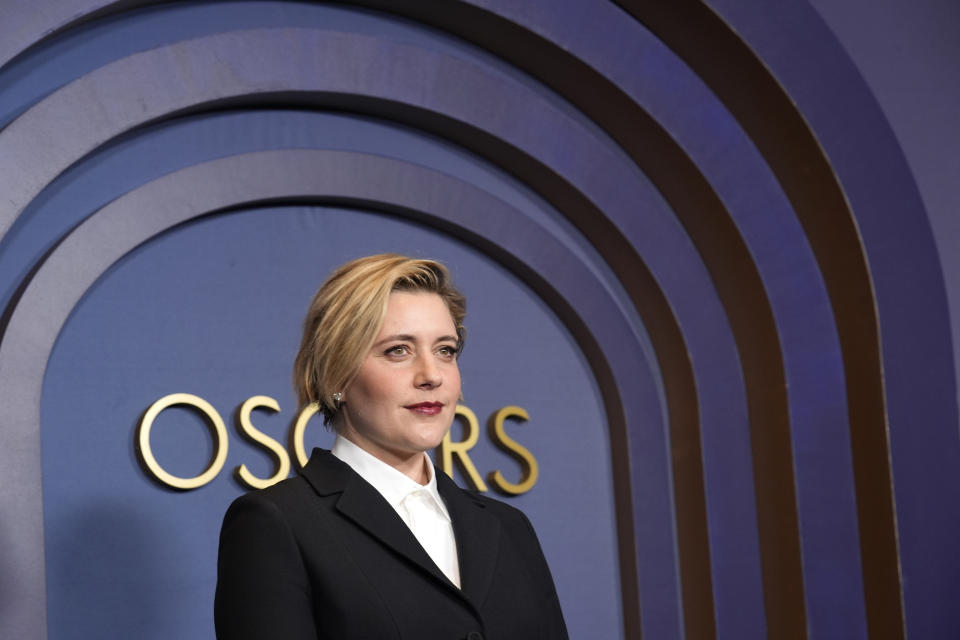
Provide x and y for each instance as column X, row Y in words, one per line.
column 528, row 463
column 449, row 449
column 219, row 446
column 254, row 434
column 296, row 436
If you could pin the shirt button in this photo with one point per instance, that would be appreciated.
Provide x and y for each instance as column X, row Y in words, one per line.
column 474, row 635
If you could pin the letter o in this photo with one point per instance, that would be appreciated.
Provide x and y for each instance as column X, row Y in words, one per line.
column 220, row 446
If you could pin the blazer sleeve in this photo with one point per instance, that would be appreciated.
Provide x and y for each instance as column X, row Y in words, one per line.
column 262, row 587
column 553, row 625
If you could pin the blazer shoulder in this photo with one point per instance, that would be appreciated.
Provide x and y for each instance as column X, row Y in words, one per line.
column 282, row 492
column 498, row 507
column 286, row 500
column 509, row 516
column 323, row 475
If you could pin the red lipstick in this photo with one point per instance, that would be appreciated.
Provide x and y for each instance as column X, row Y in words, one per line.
column 426, row 408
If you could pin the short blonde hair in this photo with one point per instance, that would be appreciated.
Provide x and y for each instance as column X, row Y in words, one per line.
column 347, row 314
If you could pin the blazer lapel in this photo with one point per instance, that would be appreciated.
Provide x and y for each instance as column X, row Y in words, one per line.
column 478, row 538
column 365, row 507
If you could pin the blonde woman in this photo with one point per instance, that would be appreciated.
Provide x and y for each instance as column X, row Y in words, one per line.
column 369, row 541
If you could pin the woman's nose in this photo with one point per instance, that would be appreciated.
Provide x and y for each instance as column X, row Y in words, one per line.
column 428, row 373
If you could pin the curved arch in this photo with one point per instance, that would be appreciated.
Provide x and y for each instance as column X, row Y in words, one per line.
column 593, row 317
column 24, row 28
column 578, row 53
column 599, row 202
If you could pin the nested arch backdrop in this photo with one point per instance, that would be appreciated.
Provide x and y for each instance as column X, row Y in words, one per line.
column 696, row 236
column 240, row 294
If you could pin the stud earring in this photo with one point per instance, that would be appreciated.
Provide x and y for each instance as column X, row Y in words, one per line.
column 337, row 399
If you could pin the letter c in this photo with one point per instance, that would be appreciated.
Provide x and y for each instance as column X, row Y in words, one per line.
column 299, row 427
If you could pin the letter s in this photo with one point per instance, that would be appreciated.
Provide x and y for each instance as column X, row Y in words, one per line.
column 252, row 433
column 528, row 463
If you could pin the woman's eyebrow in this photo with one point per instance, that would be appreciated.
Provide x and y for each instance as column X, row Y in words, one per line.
column 406, row 337
column 399, row 337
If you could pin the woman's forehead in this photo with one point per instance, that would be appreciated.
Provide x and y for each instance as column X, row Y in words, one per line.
column 417, row 313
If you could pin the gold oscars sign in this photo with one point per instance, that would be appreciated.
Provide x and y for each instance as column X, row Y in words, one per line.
column 448, row 450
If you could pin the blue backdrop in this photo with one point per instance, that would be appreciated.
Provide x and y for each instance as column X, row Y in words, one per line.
column 693, row 247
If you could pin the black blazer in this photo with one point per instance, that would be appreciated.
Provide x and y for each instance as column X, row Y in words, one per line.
column 324, row 556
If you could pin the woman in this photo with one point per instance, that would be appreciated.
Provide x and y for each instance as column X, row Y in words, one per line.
column 369, row 541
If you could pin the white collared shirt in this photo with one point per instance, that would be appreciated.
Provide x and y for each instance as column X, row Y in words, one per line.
column 419, row 506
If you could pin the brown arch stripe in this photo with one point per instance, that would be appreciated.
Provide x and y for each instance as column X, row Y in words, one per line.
column 775, row 125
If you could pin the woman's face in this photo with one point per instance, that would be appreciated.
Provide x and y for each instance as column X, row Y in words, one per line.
column 402, row 401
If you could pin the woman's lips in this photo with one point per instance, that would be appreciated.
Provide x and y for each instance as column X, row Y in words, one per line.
column 426, row 408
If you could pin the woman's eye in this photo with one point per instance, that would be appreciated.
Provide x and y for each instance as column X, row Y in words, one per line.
column 397, row 350
column 447, row 351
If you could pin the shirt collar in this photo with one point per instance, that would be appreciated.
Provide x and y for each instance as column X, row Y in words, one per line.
column 393, row 485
